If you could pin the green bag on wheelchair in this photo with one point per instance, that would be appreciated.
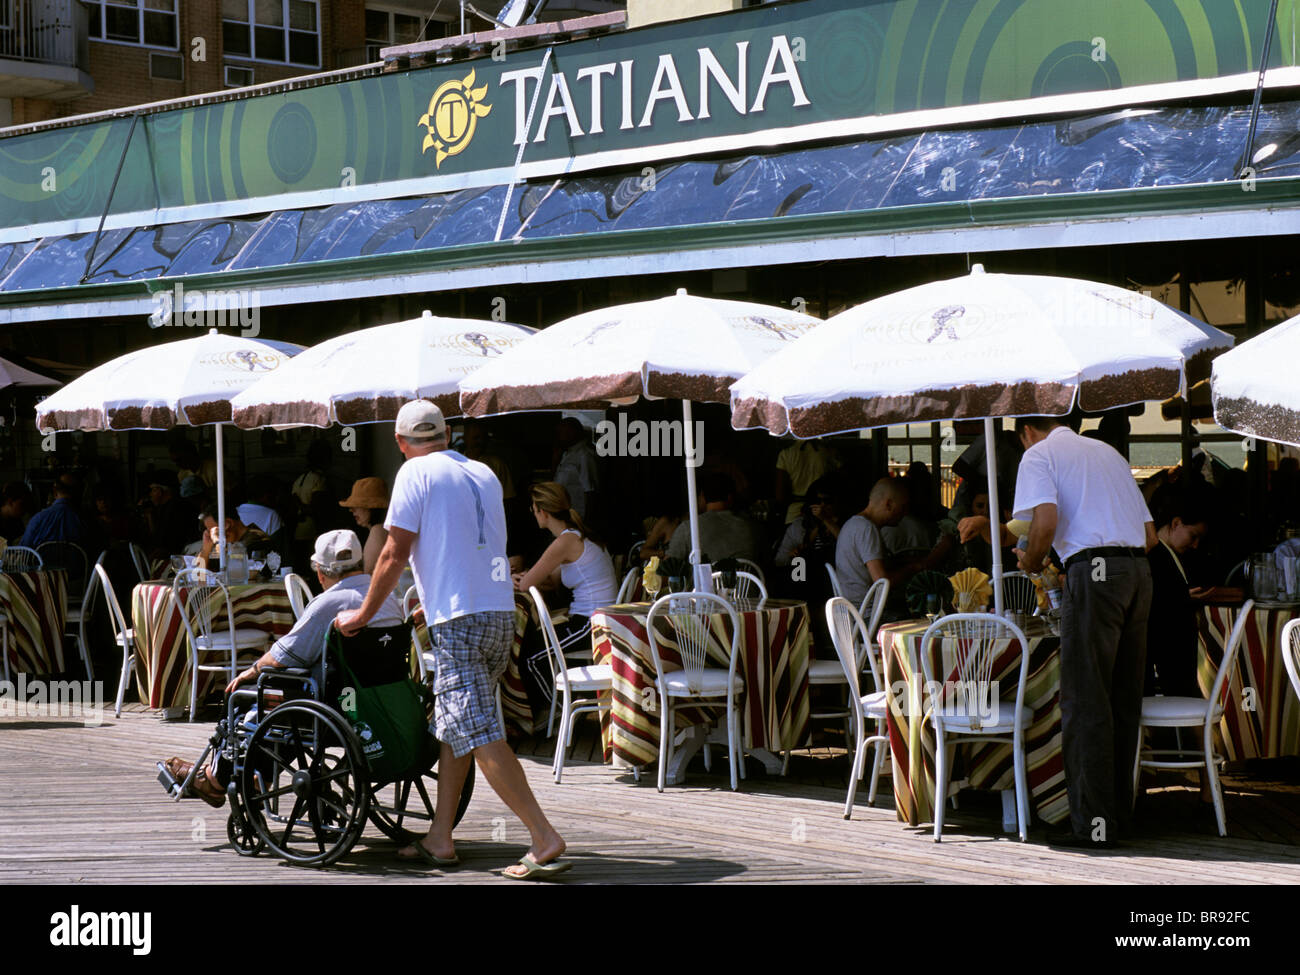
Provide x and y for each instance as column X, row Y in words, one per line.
column 372, row 685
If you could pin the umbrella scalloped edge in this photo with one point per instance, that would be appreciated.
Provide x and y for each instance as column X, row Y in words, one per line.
column 379, row 409
column 1268, row 421
column 87, row 420
column 298, row 413
column 1125, row 388
column 697, row 389
column 588, row 393
column 149, row 417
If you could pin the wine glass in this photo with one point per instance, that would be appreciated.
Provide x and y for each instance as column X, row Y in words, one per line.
column 273, row 562
column 932, row 606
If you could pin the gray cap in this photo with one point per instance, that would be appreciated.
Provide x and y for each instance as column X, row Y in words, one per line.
column 337, row 552
column 420, row 420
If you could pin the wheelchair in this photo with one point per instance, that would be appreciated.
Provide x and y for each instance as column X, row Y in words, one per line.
column 301, row 785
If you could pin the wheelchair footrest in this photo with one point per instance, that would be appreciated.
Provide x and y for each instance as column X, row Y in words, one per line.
column 168, row 781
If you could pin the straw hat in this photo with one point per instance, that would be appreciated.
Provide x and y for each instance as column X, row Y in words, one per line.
column 369, row 492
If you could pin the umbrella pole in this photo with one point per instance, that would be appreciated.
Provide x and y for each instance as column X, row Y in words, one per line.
column 995, row 511
column 688, row 442
column 221, row 501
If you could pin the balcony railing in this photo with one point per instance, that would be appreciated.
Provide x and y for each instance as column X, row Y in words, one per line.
column 45, row 31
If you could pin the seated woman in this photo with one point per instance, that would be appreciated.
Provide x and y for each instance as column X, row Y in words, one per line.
column 975, row 532
column 368, row 503
column 660, row 533
column 1171, row 623
column 575, row 559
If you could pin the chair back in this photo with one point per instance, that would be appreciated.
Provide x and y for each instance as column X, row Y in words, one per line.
column 299, row 593
column 872, row 608
column 115, row 615
column 1019, row 594
column 688, row 618
column 555, row 655
column 628, row 587
column 1291, row 653
column 634, row 554
column 410, row 603
column 849, row 634
column 68, row 556
column 748, row 585
column 201, row 597
column 836, row 588
column 753, row 569
column 1228, row 665
column 141, row 562
column 20, row 558
column 973, row 642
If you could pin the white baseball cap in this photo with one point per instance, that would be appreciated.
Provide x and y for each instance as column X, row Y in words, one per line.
column 420, row 420
column 337, row 552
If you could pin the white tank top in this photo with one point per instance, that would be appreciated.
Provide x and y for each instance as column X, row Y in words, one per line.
column 590, row 578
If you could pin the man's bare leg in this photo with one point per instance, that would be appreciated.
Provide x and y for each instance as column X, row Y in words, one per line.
column 506, row 776
column 451, row 780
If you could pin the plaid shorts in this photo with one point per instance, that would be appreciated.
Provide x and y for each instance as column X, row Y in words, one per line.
column 470, row 655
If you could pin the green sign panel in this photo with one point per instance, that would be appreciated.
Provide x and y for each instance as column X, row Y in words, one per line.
column 813, row 70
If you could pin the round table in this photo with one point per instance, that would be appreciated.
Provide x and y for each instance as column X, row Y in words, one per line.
column 162, row 653
column 986, row 765
column 36, row 604
column 1262, row 718
column 773, row 661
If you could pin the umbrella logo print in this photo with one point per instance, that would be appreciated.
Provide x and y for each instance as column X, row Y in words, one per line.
column 768, row 325
column 943, row 321
column 251, row 359
column 482, row 343
column 590, row 337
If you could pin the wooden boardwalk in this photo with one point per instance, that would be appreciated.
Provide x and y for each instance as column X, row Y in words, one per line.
column 82, row 805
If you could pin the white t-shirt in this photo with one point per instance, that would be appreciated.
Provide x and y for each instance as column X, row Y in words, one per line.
column 1098, row 503
column 453, row 505
column 579, row 473
column 859, row 542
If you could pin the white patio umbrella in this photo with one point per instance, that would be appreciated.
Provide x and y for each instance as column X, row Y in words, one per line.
column 185, row 383
column 1254, row 391
column 680, row 347
column 366, row 376
column 978, row 347
column 12, row 374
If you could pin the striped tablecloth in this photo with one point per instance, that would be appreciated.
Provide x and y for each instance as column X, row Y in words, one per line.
column 514, row 697
column 982, row 765
column 774, row 649
column 162, row 660
column 1262, row 719
column 36, row 604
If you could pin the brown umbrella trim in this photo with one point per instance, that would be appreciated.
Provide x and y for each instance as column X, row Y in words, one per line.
column 299, row 412
column 1198, row 366
column 379, row 409
column 143, row 418
column 1269, row 421
column 88, row 420
column 697, row 389
column 213, row 411
column 747, row 414
column 590, row 393
column 1134, row 386
column 929, row 405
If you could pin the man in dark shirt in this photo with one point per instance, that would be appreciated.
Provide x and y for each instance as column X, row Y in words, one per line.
column 60, row 522
column 171, row 522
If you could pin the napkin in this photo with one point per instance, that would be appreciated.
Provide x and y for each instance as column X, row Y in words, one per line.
column 1049, row 578
column 650, row 579
column 971, row 591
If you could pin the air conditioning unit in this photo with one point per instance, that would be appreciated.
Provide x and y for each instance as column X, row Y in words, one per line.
column 237, row 77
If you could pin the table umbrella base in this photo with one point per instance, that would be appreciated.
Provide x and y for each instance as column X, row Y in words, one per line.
column 697, row 737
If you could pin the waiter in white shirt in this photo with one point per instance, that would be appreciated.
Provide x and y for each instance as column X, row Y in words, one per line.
column 1080, row 498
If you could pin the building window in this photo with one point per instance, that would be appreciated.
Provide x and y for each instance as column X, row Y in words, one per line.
column 389, row 26
column 238, row 77
column 147, row 23
column 284, row 31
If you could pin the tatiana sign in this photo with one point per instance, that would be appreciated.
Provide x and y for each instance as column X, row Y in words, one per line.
column 755, row 78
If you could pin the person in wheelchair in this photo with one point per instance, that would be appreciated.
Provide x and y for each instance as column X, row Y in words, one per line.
column 338, row 563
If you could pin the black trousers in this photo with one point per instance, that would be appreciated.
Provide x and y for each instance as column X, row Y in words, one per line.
column 1103, row 660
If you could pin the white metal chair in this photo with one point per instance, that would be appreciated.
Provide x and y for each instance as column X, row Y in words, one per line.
column 123, row 635
column 1203, row 713
column 410, row 603
column 696, row 684
column 849, row 634
column 965, row 700
column 628, row 587
column 828, row 672
column 20, row 558
column 201, row 597
column 591, row 679
column 80, row 613
column 69, row 557
column 836, row 588
column 1291, row 653
column 140, row 561
column 753, row 569
column 1019, row 594
column 748, row 586
column 299, row 593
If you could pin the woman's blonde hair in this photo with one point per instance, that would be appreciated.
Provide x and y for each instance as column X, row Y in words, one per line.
column 553, row 498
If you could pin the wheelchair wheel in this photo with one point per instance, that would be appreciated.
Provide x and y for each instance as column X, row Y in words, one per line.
column 242, row 836
column 396, row 807
column 304, row 784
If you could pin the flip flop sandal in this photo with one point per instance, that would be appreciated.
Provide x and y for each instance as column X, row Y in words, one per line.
column 537, row 871
column 421, row 853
